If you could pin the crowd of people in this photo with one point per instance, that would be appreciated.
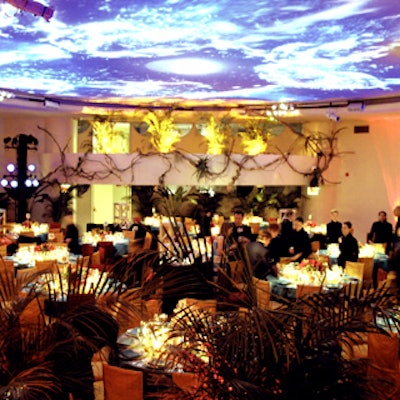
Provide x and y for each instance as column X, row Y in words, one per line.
column 290, row 240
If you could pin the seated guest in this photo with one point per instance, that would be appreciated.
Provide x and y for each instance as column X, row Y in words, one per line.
column 348, row 245
column 258, row 253
column 300, row 242
column 333, row 228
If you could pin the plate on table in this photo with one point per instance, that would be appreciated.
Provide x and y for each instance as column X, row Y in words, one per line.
column 128, row 341
column 283, row 282
column 132, row 331
column 333, row 286
column 129, row 354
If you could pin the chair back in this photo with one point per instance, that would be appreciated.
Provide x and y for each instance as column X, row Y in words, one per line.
column 307, row 290
column 355, row 269
column 263, row 293
column 129, row 234
column 383, row 351
column 95, row 258
column 46, row 265
column 368, row 268
column 122, row 384
column 106, row 250
column 3, row 250
column 148, row 239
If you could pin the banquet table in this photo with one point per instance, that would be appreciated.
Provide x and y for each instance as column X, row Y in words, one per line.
column 308, row 272
column 120, row 243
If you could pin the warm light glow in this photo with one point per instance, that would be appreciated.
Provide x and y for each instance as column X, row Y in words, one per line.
column 163, row 131
column 312, row 190
column 110, row 137
column 215, row 135
column 11, row 168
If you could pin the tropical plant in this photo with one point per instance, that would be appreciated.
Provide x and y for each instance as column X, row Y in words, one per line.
column 163, row 131
column 217, row 134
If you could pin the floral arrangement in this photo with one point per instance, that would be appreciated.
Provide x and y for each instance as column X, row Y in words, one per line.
column 44, row 248
column 313, row 265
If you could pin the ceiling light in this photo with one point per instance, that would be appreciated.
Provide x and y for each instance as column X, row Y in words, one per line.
column 14, row 184
column 4, row 182
column 31, row 167
column 332, row 116
column 356, row 106
column 11, row 168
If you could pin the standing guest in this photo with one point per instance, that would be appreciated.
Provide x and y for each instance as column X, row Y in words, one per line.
column 240, row 233
column 348, row 245
column 300, row 244
column 333, row 228
column 71, row 234
column 381, row 231
column 287, row 231
column 275, row 244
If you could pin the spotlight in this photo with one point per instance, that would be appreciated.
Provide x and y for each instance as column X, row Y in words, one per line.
column 11, row 168
column 14, row 184
column 35, row 182
column 332, row 116
column 28, row 183
column 4, row 182
column 31, row 167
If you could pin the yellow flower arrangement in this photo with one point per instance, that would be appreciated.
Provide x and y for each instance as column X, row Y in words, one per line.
column 163, row 131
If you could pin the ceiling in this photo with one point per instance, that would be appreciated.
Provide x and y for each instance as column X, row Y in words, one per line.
column 322, row 53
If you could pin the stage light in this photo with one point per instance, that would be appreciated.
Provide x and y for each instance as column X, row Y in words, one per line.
column 332, row 116
column 11, row 168
column 31, row 167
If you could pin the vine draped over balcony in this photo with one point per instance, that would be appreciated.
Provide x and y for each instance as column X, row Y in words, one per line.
column 320, row 146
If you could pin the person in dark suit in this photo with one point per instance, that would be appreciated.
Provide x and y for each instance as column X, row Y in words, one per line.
column 300, row 246
column 240, row 235
column 333, row 228
column 287, row 232
column 348, row 245
column 71, row 234
column 262, row 264
column 382, row 231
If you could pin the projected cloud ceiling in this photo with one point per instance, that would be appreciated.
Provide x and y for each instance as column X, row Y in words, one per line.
column 295, row 50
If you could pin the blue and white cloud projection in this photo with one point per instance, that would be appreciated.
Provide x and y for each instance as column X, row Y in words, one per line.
column 295, row 50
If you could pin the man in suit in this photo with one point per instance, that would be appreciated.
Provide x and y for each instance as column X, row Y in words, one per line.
column 333, row 228
column 348, row 245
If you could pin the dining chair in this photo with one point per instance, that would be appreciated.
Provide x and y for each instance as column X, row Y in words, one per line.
column 368, row 270
column 383, row 351
column 122, row 384
column 46, row 265
column 106, row 250
column 20, row 245
column 129, row 234
column 95, row 258
column 307, row 290
column 87, row 249
column 7, row 279
column 148, row 239
column 263, row 293
column 3, row 250
column 355, row 270
column 58, row 237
